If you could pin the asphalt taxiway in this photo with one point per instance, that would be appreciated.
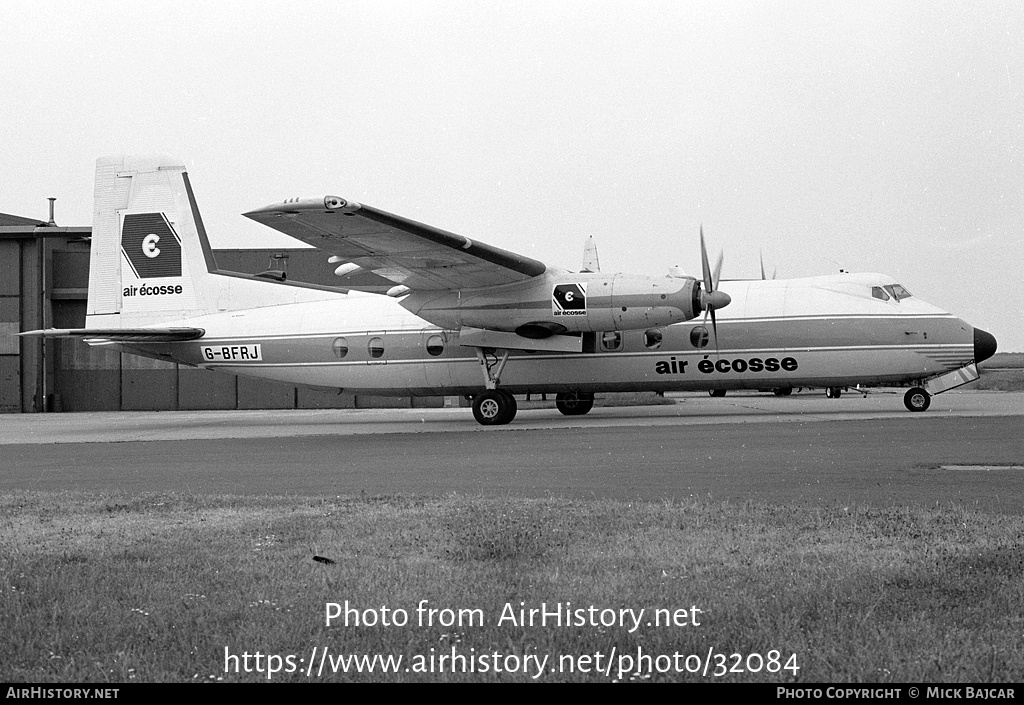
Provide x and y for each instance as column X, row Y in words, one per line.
column 967, row 449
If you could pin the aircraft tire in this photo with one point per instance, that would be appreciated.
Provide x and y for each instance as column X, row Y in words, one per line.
column 511, row 406
column 783, row 391
column 574, row 403
column 716, row 392
column 917, row 399
column 833, row 392
column 494, row 407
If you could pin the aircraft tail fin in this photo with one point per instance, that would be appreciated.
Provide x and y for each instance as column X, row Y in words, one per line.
column 151, row 261
column 149, row 252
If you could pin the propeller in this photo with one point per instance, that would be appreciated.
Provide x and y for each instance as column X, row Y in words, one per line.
column 711, row 298
column 774, row 271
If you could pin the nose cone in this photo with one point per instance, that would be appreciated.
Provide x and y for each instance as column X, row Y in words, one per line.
column 984, row 345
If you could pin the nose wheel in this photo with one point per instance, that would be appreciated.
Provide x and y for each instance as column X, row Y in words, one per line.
column 917, row 399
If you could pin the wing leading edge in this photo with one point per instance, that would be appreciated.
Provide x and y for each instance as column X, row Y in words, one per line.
column 415, row 255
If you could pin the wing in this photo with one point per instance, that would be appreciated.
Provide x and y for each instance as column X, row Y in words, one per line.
column 406, row 252
column 120, row 335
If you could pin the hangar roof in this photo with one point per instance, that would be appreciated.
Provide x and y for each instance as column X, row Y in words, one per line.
column 7, row 219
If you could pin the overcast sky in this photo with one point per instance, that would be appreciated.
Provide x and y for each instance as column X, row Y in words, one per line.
column 873, row 136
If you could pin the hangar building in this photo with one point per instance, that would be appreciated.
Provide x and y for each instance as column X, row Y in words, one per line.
column 44, row 281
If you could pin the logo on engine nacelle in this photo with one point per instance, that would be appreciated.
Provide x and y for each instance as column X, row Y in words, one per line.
column 569, row 300
column 150, row 245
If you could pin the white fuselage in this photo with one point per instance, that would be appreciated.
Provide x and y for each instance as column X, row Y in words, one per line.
column 820, row 331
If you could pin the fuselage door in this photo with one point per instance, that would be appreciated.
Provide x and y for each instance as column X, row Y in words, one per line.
column 436, row 350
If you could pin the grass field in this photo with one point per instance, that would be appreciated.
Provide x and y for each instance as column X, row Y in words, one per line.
column 1004, row 360
column 1003, row 372
column 156, row 587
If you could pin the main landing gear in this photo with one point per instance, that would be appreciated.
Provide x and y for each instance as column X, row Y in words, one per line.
column 833, row 392
column 574, row 403
column 493, row 406
column 496, row 407
column 917, row 399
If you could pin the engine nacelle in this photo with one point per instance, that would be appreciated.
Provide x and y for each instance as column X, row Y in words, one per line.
column 564, row 303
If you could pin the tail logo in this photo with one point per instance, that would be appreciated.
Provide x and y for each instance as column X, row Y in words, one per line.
column 149, row 247
column 140, row 234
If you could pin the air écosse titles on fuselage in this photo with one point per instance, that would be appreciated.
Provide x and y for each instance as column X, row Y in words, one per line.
column 673, row 366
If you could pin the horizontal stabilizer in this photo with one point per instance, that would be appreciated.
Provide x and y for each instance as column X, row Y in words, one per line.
column 121, row 335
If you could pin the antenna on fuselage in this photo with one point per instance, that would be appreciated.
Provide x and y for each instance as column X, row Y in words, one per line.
column 842, row 269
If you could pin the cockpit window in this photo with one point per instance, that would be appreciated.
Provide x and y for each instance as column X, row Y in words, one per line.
column 890, row 291
column 898, row 292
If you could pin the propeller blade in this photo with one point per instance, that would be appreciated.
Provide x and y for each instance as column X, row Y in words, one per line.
column 718, row 270
column 714, row 327
column 710, row 309
column 708, row 286
column 775, row 270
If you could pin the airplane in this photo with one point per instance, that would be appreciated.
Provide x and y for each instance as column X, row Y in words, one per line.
column 467, row 318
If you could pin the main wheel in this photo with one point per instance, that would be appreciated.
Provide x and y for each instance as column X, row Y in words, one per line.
column 494, row 407
column 574, row 403
column 833, row 392
column 917, row 399
column 716, row 392
column 783, row 391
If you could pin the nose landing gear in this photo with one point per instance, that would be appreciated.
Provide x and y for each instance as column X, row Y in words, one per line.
column 917, row 399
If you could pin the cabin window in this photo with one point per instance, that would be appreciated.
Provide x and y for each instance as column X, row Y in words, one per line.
column 652, row 339
column 435, row 345
column 699, row 337
column 376, row 347
column 879, row 293
column 340, row 347
column 611, row 341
